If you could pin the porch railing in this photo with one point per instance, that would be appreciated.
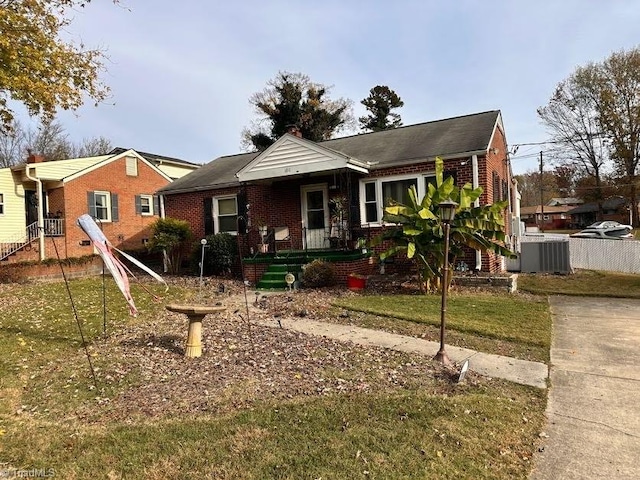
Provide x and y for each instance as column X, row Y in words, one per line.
column 12, row 244
column 331, row 238
column 54, row 227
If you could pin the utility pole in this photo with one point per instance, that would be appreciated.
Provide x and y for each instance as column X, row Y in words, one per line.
column 541, row 196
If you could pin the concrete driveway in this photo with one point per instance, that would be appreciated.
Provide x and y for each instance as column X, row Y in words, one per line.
column 594, row 400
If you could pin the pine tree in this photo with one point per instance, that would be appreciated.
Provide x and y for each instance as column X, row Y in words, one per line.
column 379, row 103
column 293, row 99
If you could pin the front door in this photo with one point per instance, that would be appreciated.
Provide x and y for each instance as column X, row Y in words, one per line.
column 31, row 206
column 315, row 215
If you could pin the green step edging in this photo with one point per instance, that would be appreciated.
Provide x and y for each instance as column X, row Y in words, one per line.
column 330, row 256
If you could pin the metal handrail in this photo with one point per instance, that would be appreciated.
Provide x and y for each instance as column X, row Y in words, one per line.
column 18, row 242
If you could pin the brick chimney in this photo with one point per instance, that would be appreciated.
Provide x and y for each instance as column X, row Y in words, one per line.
column 34, row 158
column 294, row 130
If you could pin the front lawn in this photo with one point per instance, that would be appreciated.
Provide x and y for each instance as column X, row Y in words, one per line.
column 512, row 325
column 589, row 283
column 262, row 402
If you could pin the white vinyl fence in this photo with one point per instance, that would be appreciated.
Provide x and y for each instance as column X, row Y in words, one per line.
column 604, row 254
column 584, row 253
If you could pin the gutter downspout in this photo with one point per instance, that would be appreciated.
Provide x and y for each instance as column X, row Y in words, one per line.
column 475, row 184
column 162, row 213
column 40, row 211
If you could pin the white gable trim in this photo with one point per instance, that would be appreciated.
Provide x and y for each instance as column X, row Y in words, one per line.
column 497, row 125
column 291, row 155
column 128, row 153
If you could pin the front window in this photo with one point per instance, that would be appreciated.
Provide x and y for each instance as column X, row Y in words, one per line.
column 379, row 193
column 146, row 205
column 397, row 191
column 225, row 214
column 1, row 204
column 370, row 203
column 102, row 206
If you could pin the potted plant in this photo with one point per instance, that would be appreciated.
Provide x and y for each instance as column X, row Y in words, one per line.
column 356, row 282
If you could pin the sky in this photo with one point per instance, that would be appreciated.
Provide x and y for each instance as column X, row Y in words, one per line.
column 181, row 71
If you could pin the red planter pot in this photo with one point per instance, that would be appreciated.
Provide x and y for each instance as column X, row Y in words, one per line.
column 356, row 282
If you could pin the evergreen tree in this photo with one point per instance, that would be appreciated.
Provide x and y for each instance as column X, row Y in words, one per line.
column 293, row 99
column 379, row 103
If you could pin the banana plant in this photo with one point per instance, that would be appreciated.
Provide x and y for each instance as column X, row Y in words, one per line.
column 417, row 229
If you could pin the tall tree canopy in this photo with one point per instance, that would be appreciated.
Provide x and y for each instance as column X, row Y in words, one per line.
column 571, row 118
column 379, row 103
column 598, row 103
column 293, row 99
column 37, row 67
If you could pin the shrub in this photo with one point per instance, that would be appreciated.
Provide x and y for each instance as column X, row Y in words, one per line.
column 170, row 235
column 318, row 273
column 219, row 255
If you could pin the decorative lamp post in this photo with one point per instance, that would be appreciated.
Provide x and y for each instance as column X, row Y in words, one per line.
column 447, row 214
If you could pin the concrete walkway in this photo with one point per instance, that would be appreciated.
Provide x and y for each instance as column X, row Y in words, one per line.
column 594, row 399
column 520, row 371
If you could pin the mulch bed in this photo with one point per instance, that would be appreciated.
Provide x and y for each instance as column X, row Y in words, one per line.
column 243, row 362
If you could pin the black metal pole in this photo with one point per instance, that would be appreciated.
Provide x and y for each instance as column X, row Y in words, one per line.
column 104, row 302
column 442, row 356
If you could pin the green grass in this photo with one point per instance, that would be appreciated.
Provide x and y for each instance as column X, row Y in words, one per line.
column 38, row 324
column 482, row 434
column 479, row 429
column 504, row 324
column 582, row 283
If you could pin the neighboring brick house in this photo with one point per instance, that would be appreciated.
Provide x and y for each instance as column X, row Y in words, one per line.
column 328, row 194
column 117, row 189
column 547, row 217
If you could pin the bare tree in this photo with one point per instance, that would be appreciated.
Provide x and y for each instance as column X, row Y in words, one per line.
column 50, row 140
column 12, row 145
column 572, row 120
column 530, row 186
column 596, row 112
column 92, row 147
column 615, row 85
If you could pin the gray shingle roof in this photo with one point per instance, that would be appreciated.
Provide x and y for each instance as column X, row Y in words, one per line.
column 612, row 203
column 451, row 136
column 153, row 156
column 218, row 173
column 470, row 133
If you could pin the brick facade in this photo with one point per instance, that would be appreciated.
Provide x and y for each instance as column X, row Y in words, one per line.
column 69, row 201
column 279, row 204
column 131, row 228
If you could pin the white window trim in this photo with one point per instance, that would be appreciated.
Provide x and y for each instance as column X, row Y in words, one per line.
column 420, row 181
column 2, row 204
column 216, row 213
column 150, row 213
column 108, row 206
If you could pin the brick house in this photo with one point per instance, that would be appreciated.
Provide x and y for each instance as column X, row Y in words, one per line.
column 325, row 196
column 118, row 189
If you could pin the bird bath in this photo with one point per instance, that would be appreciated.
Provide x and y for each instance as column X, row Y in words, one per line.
column 195, row 313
